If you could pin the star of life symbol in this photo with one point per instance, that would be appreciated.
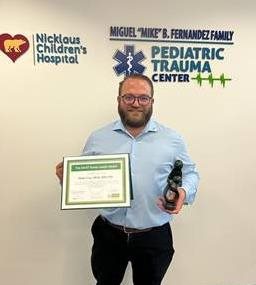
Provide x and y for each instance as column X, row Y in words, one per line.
column 129, row 61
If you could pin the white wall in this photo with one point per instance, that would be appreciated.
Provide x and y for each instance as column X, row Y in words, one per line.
column 47, row 112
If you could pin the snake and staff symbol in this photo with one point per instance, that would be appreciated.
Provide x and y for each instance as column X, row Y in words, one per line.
column 129, row 60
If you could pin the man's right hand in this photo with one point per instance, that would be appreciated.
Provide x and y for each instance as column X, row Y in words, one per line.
column 59, row 171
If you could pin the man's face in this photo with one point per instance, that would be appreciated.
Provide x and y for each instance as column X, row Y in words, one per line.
column 135, row 115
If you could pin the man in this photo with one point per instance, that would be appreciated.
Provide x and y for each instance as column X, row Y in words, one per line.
column 140, row 234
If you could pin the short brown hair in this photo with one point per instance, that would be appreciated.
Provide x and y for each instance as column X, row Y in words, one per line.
column 137, row 76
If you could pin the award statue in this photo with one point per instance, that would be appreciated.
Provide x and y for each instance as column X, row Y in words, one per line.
column 174, row 181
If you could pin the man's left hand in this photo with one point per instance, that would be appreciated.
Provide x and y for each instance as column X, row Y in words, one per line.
column 179, row 203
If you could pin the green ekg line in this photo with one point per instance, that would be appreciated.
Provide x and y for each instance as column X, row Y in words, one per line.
column 211, row 79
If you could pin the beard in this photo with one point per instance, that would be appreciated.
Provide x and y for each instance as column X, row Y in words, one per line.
column 135, row 117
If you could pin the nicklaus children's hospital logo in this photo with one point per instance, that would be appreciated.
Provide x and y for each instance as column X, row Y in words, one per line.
column 52, row 49
column 15, row 46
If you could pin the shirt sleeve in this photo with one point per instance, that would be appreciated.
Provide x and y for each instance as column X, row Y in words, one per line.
column 89, row 146
column 190, row 175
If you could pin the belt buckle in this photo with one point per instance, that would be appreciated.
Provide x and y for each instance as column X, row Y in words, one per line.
column 128, row 231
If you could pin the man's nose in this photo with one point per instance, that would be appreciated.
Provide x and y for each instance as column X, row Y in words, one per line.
column 136, row 102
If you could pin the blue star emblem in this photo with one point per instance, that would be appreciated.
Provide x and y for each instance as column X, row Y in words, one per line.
column 129, row 61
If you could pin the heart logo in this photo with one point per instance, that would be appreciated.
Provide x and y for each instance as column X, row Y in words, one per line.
column 13, row 47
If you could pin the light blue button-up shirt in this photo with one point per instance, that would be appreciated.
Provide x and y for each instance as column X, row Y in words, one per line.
column 152, row 156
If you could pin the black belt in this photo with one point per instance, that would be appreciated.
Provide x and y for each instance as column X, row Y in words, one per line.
column 125, row 229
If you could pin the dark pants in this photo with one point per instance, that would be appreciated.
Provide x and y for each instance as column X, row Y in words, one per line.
column 150, row 254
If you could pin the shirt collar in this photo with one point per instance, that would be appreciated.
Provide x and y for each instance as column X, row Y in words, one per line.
column 150, row 127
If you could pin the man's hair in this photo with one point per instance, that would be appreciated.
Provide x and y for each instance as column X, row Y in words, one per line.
column 136, row 76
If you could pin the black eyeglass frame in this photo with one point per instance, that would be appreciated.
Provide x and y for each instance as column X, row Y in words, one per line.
column 138, row 98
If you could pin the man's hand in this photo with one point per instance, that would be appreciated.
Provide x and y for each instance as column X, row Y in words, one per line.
column 161, row 202
column 59, row 171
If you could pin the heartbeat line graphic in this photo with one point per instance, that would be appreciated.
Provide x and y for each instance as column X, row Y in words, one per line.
column 211, row 79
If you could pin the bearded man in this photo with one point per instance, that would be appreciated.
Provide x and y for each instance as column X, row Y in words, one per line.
column 142, row 233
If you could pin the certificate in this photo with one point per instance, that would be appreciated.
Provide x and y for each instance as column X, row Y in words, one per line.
column 97, row 181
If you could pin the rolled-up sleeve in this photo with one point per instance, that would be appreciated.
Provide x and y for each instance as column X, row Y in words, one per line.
column 190, row 175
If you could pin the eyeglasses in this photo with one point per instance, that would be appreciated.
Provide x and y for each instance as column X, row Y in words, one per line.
column 129, row 99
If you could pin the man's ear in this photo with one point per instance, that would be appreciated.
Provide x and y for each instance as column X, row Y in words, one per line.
column 152, row 100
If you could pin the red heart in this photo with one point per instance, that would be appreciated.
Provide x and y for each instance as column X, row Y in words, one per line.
column 13, row 47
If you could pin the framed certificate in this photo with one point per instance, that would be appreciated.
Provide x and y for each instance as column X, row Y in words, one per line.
column 97, row 181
